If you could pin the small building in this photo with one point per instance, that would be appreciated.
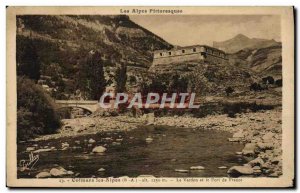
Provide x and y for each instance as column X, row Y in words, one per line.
column 189, row 53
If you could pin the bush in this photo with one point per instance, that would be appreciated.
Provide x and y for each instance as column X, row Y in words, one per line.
column 231, row 109
column 229, row 90
column 278, row 82
column 268, row 80
column 36, row 113
column 255, row 87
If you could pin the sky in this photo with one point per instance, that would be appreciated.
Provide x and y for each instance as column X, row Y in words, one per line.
column 185, row 30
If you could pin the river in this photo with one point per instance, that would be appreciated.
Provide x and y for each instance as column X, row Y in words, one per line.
column 128, row 153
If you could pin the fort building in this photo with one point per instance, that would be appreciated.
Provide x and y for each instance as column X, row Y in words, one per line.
column 189, row 53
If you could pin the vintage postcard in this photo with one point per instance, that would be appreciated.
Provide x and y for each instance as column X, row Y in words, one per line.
column 150, row 97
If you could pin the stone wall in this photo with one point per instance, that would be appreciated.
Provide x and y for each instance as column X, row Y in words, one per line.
column 187, row 54
column 214, row 59
column 178, row 58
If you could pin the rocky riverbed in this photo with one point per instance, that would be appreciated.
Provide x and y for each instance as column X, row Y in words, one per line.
column 260, row 132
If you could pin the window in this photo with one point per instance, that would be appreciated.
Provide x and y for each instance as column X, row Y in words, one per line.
column 183, row 51
column 194, row 49
column 170, row 53
column 161, row 54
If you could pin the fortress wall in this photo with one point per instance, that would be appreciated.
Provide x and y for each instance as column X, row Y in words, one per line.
column 189, row 53
column 179, row 58
column 210, row 58
column 198, row 50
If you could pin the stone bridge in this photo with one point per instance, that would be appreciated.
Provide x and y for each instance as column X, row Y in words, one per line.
column 90, row 106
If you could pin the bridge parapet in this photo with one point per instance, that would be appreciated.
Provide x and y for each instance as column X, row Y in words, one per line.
column 91, row 106
column 75, row 102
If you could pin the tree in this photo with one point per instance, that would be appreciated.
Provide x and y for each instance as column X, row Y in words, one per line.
column 278, row 82
column 268, row 80
column 255, row 87
column 121, row 78
column 28, row 63
column 229, row 90
column 178, row 84
column 92, row 81
column 132, row 80
column 36, row 111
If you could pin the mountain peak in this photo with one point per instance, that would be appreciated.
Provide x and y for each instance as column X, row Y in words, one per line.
column 240, row 36
column 240, row 41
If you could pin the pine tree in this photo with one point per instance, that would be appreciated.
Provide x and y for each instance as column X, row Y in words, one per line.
column 121, row 78
column 92, row 76
column 28, row 63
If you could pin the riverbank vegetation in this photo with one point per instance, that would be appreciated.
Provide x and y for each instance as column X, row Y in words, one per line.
column 36, row 111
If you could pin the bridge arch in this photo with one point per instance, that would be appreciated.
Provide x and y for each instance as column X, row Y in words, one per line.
column 90, row 106
column 73, row 106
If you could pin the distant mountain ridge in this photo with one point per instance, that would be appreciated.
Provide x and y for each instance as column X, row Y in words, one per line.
column 240, row 42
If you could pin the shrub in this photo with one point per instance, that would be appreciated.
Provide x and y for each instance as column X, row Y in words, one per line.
column 231, row 109
column 255, row 87
column 268, row 80
column 229, row 90
column 132, row 80
column 278, row 82
column 36, row 112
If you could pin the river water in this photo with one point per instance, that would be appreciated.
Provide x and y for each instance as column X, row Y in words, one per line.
column 171, row 149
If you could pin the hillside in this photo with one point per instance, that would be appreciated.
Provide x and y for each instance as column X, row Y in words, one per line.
column 264, row 61
column 246, row 66
column 210, row 78
column 62, row 42
column 240, row 42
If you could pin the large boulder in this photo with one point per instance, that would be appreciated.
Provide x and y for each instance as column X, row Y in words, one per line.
column 240, row 170
column 150, row 118
column 28, row 149
column 101, row 170
column 238, row 134
column 181, row 171
column 275, row 160
column 237, row 137
column 197, row 168
column 58, row 172
column 65, row 145
column 265, row 146
column 256, row 162
column 249, row 149
column 43, row 175
column 99, row 149
column 92, row 141
column 149, row 139
column 268, row 137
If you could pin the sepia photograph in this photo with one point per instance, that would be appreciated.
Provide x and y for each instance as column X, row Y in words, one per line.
column 150, row 97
